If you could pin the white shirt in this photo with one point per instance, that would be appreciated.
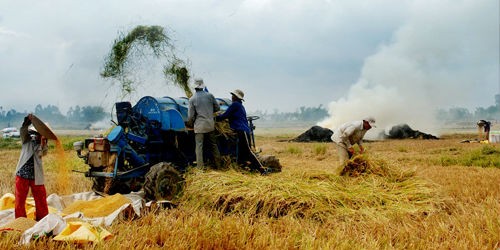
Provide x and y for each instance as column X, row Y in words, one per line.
column 349, row 133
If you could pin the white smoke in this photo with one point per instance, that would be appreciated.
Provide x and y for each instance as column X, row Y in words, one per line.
column 438, row 59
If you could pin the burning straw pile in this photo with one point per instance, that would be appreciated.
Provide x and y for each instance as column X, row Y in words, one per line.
column 312, row 195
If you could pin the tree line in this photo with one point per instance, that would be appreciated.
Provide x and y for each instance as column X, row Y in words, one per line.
column 82, row 117
column 305, row 114
column 78, row 117
column 456, row 115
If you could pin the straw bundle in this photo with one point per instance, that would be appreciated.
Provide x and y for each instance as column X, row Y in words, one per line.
column 222, row 128
column 356, row 166
column 362, row 165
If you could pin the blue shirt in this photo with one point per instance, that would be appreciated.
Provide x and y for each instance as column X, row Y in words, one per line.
column 237, row 117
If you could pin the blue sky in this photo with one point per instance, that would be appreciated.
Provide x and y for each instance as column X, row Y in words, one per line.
column 282, row 53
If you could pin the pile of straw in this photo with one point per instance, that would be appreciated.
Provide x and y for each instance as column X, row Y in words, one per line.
column 362, row 165
column 317, row 196
column 222, row 128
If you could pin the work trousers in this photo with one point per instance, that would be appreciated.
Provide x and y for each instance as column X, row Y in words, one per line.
column 39, row 194
column 209, row 140
column 342, row 153
column 245, row 154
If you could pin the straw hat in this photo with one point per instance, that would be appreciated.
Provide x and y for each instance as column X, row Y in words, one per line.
column 238, row 93
column 32, row 128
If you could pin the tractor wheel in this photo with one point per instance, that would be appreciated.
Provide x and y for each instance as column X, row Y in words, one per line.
column 163, row 182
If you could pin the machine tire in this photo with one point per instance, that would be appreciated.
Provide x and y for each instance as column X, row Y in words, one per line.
column 163, row 182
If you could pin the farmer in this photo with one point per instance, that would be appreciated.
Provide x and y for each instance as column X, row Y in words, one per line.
column 237, row 117
column 486, row 125
column 202, row 106
column 349, row 134
column 29, row 171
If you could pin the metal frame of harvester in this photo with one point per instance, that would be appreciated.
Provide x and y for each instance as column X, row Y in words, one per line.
column 150, row 148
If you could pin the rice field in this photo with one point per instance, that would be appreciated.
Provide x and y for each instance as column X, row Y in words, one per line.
column 418, row 194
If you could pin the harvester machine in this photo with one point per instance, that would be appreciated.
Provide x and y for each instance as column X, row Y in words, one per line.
column 150, row 148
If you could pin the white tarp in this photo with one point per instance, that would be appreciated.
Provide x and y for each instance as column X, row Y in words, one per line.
column 55, row 222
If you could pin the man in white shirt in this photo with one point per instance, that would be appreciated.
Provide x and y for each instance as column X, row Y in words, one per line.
column 349, row 134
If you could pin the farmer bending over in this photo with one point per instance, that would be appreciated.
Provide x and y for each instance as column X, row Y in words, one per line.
column 349, row 134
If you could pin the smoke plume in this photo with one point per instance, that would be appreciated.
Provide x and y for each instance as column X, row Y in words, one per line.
column 445, row 55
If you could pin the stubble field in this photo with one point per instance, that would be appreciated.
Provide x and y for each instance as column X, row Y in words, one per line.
column 423, row 194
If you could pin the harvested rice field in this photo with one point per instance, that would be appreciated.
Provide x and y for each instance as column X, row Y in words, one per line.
column 402, row 194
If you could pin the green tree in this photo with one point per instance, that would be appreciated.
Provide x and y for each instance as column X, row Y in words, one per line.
column 92, row 113
column 50, row 113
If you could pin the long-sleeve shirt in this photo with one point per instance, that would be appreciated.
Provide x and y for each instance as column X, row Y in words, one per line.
column 349, row 134
column 31, row 149
column 237, row 116
column 202, row 106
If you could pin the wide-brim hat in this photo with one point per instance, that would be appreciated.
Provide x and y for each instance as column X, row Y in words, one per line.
column 43, row 128
column 238, row 93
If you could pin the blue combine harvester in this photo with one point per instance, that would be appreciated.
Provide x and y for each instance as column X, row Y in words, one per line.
column 150, row 148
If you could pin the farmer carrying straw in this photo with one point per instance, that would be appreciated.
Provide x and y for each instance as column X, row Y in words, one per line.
column 349, row 134
column 237, row 116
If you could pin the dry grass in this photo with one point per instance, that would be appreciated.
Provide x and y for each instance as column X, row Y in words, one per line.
column 413, row 201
